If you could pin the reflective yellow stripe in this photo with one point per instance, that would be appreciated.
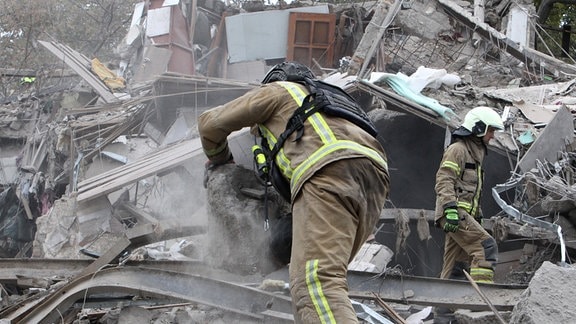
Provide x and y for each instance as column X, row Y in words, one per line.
column 475, row 202
column 452, row 165
column 295, row 91
column 331, row 143
column 465, row 205
column 216, row 151
column 281, row 160
column 321, row 128
column 472, row 207
column 316, row 293
column 333, row 147
column 482, row 271
column 468, row 207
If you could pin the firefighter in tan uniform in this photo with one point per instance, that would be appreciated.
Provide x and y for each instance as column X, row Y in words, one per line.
column 337, row 183
column 468, row 246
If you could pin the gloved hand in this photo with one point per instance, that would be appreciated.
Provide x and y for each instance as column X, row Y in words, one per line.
column 452, row 219
column 209, row 166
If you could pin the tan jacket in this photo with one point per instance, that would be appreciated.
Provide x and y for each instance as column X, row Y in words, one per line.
column 271, row 106
column 460, row 176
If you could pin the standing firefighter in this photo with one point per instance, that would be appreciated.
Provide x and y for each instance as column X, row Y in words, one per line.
column 324, row 159
column 458, row 189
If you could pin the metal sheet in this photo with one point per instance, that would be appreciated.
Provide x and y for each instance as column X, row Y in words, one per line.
column 552, row 140
column 261, row 35
column 137, row 15
column 170, row 3
column 518, row 29
column 158, row 22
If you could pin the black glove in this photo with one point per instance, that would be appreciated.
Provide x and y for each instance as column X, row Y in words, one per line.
column 452, row 219
column 209, row 166
column 480, row 220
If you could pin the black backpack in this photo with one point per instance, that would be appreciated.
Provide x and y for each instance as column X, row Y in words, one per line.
column 323, row 97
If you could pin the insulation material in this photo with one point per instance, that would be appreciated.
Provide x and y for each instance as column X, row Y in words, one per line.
column 110, row 78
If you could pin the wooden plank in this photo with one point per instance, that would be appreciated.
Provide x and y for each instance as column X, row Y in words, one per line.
column 147, row 166
column 80, row 64
column 152, row 160
column 371, row 35
column 130, row 177
column 137, row 163
column 122, row 244
column 153, row 168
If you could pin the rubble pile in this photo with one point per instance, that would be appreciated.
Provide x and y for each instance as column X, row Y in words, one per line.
column 548, row 298
column 108, row 179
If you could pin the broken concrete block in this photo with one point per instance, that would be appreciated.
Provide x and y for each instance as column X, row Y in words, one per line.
column 16, row 125
column 549, row 296
column 372, row 257
column 470, row 317
column 237, row 239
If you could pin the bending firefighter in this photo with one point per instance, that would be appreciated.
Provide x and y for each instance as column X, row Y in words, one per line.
column 468, row 246
column 323, row 158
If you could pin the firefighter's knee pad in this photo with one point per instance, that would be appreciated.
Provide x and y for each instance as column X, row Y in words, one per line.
column 490, row 250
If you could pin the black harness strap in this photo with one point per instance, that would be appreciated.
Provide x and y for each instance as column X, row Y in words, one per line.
column 322, row 97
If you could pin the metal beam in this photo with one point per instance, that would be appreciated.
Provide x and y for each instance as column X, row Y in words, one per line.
column 426, row 291
column 243, row 301
column 390, row 287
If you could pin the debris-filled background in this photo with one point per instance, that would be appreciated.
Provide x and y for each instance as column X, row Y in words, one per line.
column 103, row 211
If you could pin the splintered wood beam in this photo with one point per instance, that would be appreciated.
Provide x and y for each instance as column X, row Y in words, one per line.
column 533, row 60
column 371, row 35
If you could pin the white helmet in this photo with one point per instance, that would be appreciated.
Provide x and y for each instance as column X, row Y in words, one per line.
column 479, row 119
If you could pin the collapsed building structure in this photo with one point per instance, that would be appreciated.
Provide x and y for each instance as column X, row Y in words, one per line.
column 102, row 194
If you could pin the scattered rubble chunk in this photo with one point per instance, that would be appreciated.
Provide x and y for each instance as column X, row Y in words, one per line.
column 549, row 298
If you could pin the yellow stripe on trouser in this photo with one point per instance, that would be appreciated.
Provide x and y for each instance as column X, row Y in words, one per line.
column 315, row 291
column 333, row 215
column 482, row 275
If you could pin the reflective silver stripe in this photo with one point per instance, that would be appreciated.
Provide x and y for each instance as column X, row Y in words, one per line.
column 322, row 128
column 316, row 294
column 296, row 92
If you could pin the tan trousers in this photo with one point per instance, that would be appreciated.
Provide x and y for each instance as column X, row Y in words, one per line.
column 465, row 245
column 333, row 215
